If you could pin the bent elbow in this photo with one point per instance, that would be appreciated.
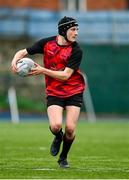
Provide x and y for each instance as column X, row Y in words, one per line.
column 65, row 77
column 66, row 74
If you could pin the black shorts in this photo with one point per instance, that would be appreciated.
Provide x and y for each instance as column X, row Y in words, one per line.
column 75, row 100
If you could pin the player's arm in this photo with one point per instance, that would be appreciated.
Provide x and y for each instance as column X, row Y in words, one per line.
column 36, row 48
column 19, row 55
column 61, row 75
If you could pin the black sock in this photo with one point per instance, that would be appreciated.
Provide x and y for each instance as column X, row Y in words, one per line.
column 59, row 134
column 66, row 147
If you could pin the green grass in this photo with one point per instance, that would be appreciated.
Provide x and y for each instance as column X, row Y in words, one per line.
column 100, row 151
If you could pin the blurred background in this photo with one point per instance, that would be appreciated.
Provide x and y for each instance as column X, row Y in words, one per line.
column 103, row 36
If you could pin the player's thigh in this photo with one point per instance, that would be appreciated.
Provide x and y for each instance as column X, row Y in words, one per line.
column 72, row 116
column 55, row 115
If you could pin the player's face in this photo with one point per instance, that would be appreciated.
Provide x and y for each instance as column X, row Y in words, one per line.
column 72, row 33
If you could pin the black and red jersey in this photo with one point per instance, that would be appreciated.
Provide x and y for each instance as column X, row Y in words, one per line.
column 56, row 58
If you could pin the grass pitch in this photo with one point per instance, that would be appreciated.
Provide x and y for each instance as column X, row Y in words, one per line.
column 100, row 151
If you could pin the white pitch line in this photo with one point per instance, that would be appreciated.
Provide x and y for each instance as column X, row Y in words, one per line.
column 44, row 169
column 91, row 157
column 93, row 169
column 27, row 148
column 30, row 159
column 35, row 169
column 100, row 169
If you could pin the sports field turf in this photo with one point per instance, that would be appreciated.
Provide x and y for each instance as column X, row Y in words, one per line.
column 101, row 151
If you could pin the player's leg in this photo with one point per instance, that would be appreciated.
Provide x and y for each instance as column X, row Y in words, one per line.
column 72, row 115
column 55, row 119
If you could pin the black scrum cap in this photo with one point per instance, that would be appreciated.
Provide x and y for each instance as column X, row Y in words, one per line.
column 64, row 24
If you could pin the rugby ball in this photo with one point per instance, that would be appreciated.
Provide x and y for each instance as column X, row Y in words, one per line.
column 24, row 66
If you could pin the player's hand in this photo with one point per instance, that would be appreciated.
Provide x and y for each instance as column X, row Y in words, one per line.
column 14, row 66
column 36, row 70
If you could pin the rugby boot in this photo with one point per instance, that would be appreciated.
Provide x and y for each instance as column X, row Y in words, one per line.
column 63, row 163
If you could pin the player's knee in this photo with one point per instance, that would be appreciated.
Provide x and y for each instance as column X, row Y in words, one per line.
column 69, row 131
column 56, row 127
